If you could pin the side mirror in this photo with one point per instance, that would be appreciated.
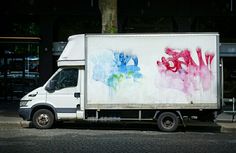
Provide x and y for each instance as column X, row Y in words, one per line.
column 50, row 87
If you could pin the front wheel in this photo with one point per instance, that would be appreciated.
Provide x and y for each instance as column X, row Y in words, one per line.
column 43, row 119
column 167, row 122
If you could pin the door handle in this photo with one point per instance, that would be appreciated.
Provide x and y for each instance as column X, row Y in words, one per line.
column 77, row 94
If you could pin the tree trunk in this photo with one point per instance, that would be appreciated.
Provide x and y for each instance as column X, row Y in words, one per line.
column 108, row 9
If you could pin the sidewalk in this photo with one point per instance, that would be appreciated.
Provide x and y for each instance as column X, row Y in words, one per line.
column 9, row 118
column 227, row 122
column 9, row 115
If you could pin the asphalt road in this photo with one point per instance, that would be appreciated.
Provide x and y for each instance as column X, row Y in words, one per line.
column 113, row 140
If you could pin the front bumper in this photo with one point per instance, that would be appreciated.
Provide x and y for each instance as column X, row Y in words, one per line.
column 25, row 113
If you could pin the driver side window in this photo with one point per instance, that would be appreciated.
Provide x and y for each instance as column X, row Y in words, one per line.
column 66, row 78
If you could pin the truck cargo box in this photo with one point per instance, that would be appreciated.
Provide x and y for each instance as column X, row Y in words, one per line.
column 148, row 71
column 164, row 78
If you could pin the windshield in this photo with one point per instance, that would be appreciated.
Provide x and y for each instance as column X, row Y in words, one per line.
column 66, row 78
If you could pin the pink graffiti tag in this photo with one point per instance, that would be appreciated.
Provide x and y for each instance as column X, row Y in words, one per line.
column 182, row 71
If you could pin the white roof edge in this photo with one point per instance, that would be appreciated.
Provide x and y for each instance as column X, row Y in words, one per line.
column 75, row 36
column 158, row 34
column 145, row 34
column 61, row 63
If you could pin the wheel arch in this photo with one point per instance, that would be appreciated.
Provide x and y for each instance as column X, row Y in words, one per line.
column 159, row 112
column 43, row 106
column 176, row 112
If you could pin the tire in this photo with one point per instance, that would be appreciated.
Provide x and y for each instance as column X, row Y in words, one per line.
column 43, row 119
column 167, row 122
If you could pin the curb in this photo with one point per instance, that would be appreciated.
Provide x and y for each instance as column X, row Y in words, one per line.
column 227, row 127
column 224, row 127
column 15, row 124
column 227, row 130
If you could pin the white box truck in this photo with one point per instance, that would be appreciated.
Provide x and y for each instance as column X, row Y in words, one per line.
column 159, row 77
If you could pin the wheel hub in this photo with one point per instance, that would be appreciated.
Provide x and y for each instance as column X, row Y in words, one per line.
column 168, row 122
column 43, row 119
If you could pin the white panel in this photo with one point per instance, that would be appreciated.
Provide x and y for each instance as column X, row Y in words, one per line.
column 61, row 116
column 136, row 78
column 70, row 63
column 74, row 51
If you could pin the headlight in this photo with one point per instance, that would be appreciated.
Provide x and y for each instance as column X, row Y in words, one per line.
column 23, row 103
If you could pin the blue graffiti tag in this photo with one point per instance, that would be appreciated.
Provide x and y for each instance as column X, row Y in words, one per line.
column 112, row 69
column 123, row 68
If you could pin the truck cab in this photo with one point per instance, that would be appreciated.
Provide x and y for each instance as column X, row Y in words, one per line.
column 58, row 99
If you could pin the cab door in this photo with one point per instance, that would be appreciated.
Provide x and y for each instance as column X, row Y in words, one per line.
column 65, row 96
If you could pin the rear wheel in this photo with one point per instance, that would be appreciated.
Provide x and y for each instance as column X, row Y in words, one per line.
column 167, row 122
column 43, row 119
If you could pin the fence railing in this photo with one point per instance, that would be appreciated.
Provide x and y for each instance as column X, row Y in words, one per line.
column 233, row 101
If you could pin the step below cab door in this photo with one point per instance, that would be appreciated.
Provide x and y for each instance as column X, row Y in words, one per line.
column 63, row 93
